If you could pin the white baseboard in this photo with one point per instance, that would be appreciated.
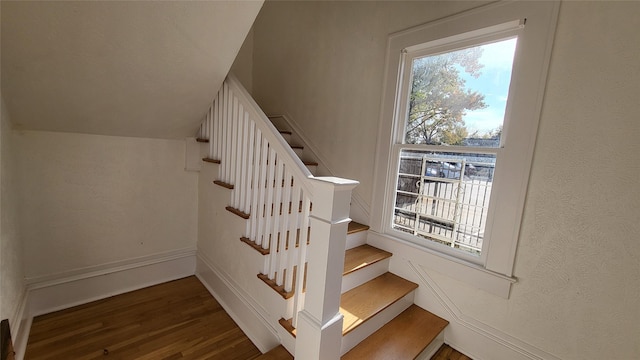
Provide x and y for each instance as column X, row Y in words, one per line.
column 99, row 282
column 244, row 310
column 472, row 337
column 20, row 328
column 45, row 295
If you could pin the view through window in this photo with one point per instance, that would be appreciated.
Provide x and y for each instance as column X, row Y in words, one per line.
column 453, row 129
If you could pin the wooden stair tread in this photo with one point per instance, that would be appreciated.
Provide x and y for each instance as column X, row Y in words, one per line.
column 309, row 163
column 355, row 227
column 255, row 246
column 223, row 184
column 404, row 337
column 210, row 160
column 277, row 353
column 365, row 301
column 202, row 140
column 263, row 251
column 362, row 256
column 238, row 212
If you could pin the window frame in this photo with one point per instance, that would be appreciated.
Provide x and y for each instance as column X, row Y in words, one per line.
column 478, row 37
column 514, row 156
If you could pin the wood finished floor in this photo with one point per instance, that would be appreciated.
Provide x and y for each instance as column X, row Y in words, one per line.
column 446, row 352
column 174, row 320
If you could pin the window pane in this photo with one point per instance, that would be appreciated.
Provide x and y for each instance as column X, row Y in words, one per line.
column 459, row 97
column 444, row 197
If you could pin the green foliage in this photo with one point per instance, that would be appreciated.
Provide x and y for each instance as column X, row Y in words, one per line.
column 439, row 100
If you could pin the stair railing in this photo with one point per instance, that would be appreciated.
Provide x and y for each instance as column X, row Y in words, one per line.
column 299, row 221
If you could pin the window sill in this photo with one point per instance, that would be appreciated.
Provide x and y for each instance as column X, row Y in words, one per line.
column 469, row 273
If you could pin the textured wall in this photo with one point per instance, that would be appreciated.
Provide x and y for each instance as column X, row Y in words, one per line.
column 577, row 263
column 90, row 200
column 11, row 255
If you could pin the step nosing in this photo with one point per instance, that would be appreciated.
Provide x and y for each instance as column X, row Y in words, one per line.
column 397, row 338
column 363, row 256
column 364, row 302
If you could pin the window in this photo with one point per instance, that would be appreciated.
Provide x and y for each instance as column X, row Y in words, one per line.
column 450, row 128
column 458, row 123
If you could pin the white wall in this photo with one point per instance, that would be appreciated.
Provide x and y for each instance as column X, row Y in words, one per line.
column 92, row 200
column 577, row 263
column 12, row 287
column 243, row 64
column 321, row 63
column 229, row 267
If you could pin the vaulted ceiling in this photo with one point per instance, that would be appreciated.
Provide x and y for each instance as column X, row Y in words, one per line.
column 129, row 68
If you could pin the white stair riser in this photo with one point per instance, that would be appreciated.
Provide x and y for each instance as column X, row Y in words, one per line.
column 356, row 239
column 372, row 325
column 365, row 274
column 433, row 347
column 298, row 151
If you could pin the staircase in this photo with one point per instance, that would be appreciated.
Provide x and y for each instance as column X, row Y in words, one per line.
column 380, row 320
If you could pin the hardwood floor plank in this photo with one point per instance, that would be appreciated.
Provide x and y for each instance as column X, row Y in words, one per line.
column 446, row 352
column 174, row 320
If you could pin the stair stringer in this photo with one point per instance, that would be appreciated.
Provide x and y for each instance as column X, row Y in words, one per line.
column 228, row 267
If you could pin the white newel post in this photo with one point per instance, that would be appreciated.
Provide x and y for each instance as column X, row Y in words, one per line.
column 319, row 331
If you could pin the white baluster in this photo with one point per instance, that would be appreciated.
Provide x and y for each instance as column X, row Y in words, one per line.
column 284, row 224
column 219, row 120
column 224, row 121
column 293, row 237
column 278, row 201
column 269, row 238
column 250, row 167
column 212, row 138
column 262, row 188
column 298, row 303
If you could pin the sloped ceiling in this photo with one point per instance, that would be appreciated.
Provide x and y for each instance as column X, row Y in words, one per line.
column 128, row 68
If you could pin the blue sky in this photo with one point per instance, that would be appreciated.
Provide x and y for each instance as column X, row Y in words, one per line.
column 497, row 59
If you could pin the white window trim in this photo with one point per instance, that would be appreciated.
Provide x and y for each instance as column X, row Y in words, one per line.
column 525, row 99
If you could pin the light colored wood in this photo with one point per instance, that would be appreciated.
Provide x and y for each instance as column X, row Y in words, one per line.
column 174, row 320
column 365, row 301
column 287, row 325
column 355, row 227
column 361, row 257
column 404, row 337
column 278, row 288
column 446, row 352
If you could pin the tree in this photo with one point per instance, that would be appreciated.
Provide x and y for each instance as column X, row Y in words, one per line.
column 439, row 100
